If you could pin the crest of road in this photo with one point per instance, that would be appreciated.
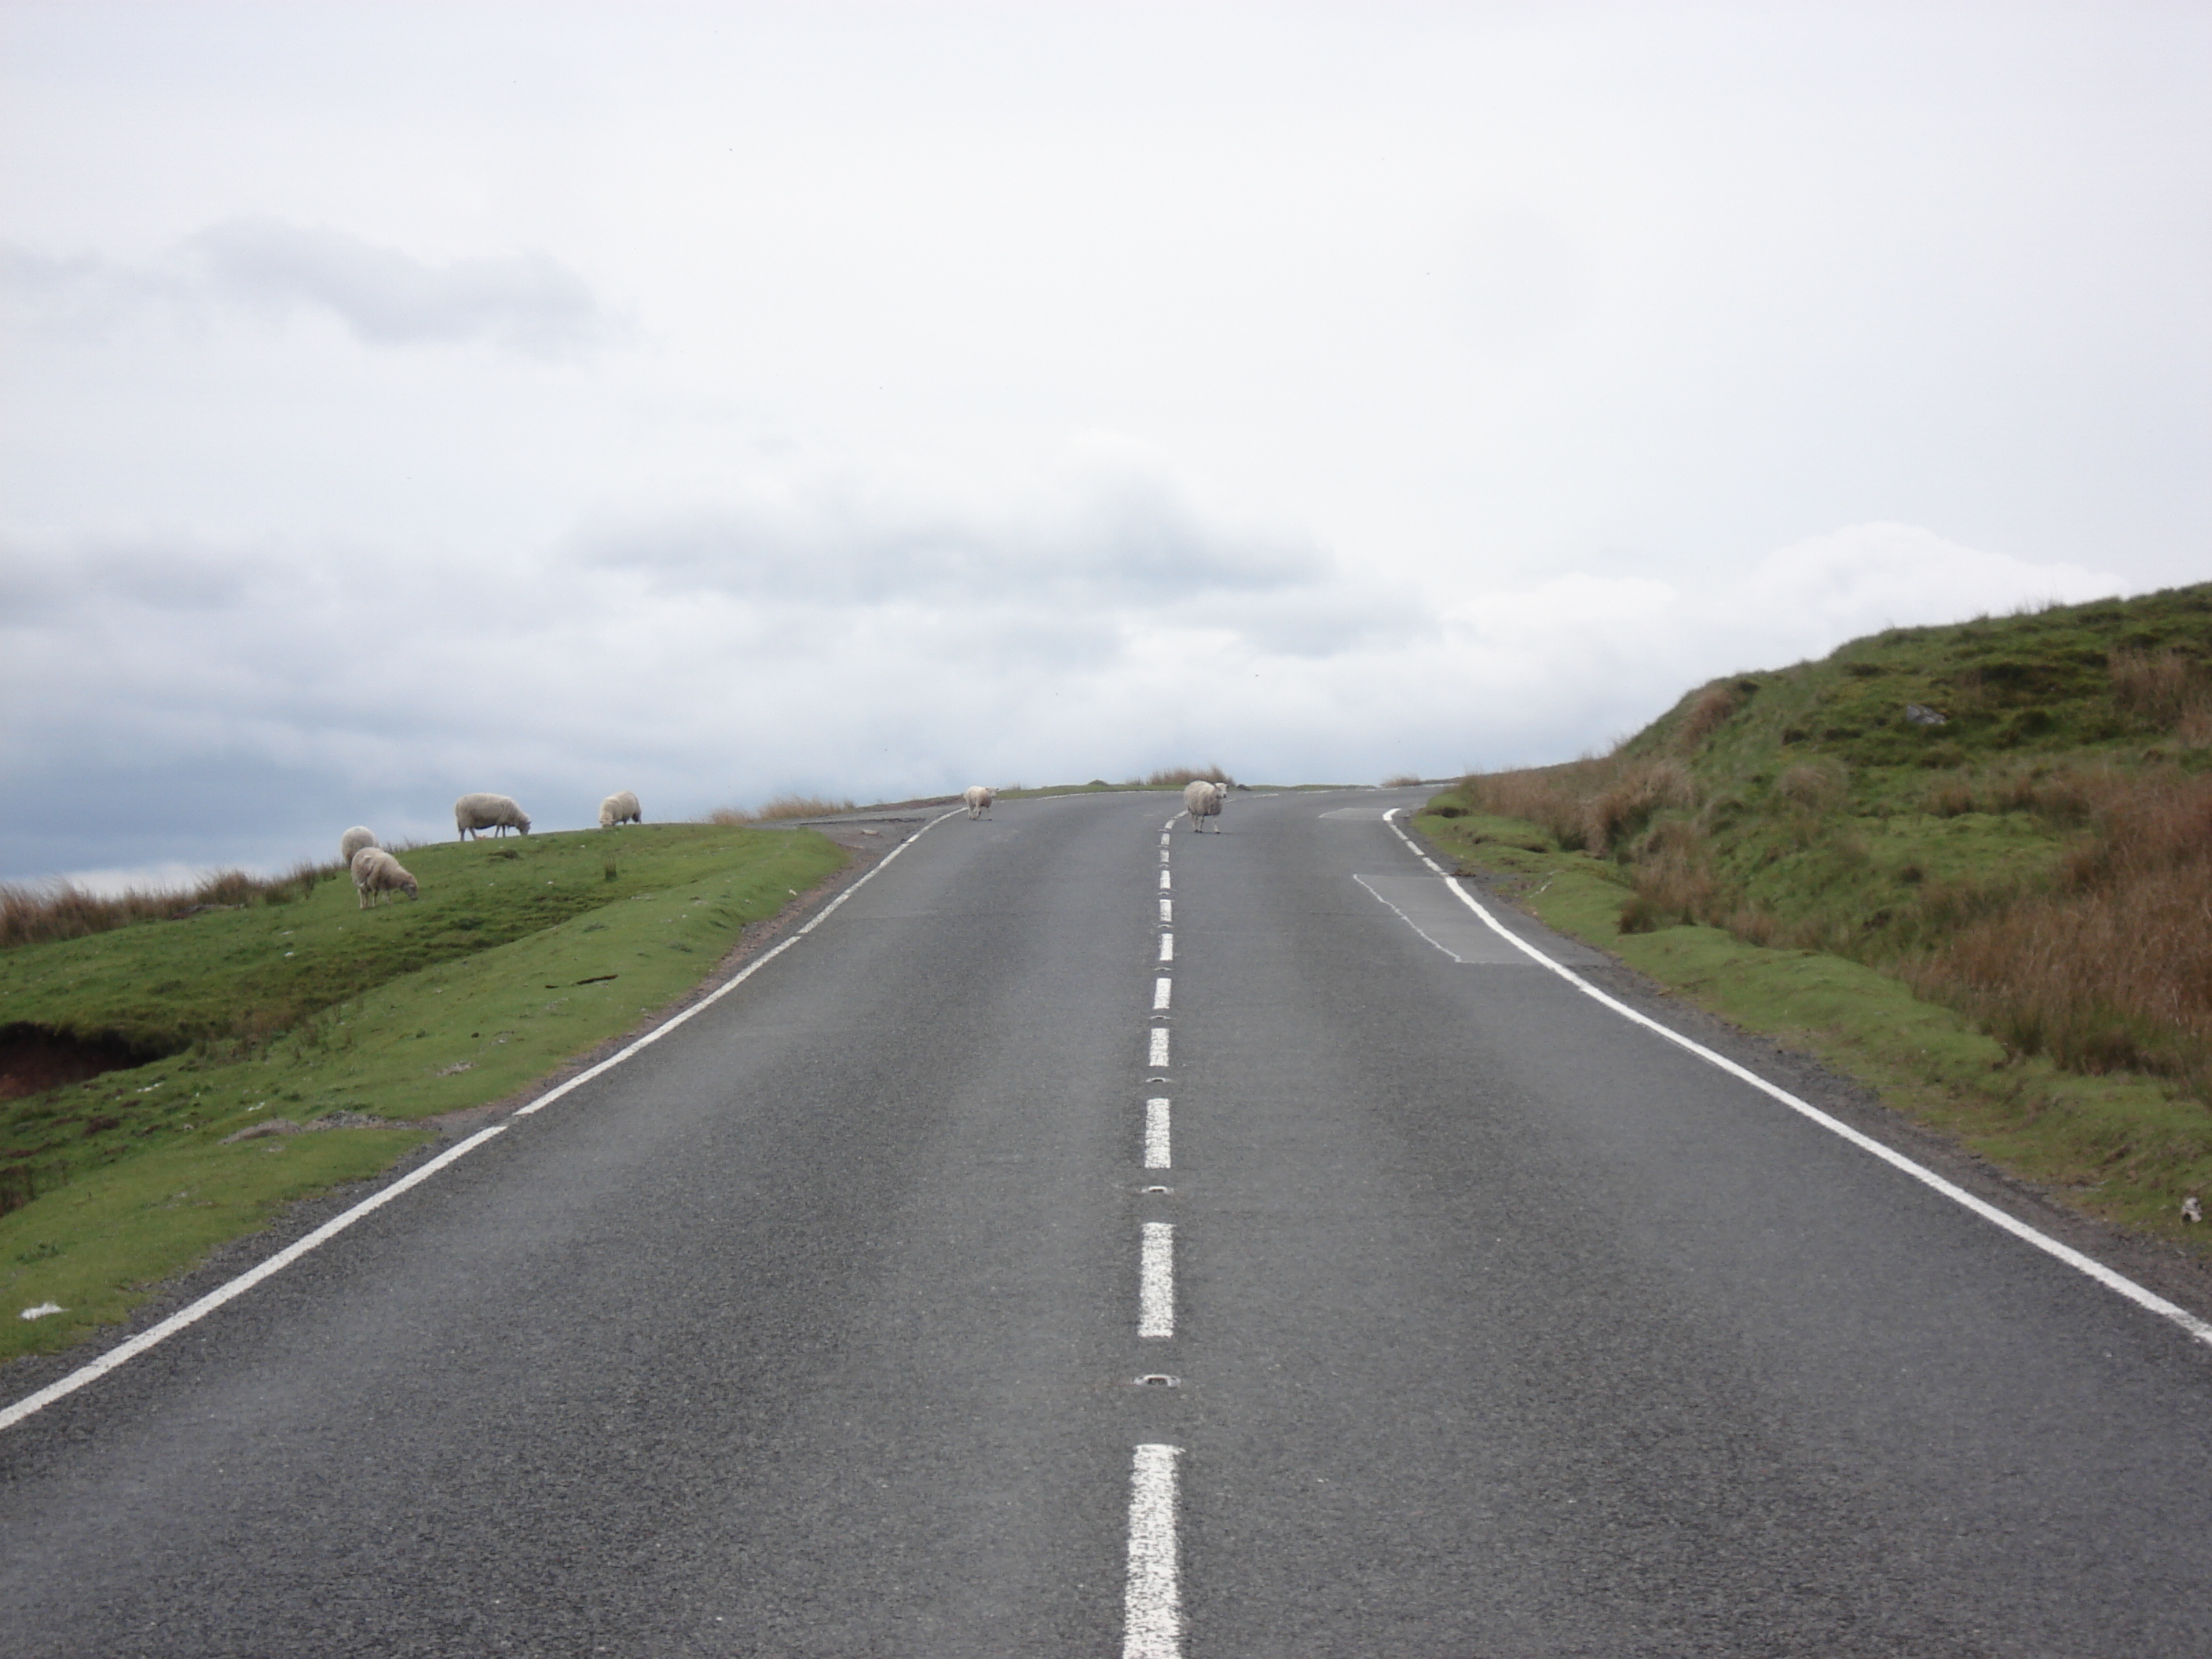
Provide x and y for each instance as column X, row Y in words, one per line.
column 1099, row 1237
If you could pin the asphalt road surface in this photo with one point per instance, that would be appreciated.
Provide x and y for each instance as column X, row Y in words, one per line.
column 1487, row 1323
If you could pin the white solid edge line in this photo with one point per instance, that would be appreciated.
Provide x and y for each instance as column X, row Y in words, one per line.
column 126, row 1350
column 123, row 1352
column 1151, row 1606
column 735, row 980
column 1156, row 1134
column 2146, row 1299
column 1156, row 1282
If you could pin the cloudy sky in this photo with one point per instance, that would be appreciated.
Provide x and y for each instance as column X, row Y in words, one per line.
column 718, row 400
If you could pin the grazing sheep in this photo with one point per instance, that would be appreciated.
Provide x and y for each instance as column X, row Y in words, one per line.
column 375, row 871
column 1202, row 800
column 352, row 841
column 979, row 797
column 621, row 808
column 477, row 813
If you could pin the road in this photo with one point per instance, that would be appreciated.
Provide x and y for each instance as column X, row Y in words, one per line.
column 1493, row 1325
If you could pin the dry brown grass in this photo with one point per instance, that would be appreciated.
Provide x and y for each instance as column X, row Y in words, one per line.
column 1674, row 879
column 1592, row 805
column 41, row 912
column 2110, row 967
column 1706, row 714
column 2105, row 964
column 1813, row 785
column 1178, row 775
column 2157, row 686
column 781, row 807
column 1402, row 780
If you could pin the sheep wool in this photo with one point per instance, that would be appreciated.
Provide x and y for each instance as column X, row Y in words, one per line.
column 352, row 841
column 1202, row 800
column 620, row 808
column 376, row 871
column 474, row 814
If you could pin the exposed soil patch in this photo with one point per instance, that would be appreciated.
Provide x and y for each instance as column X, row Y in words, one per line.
column 34, row 1060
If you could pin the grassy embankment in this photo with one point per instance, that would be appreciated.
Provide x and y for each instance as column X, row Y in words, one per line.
column 2002, row 921
column 354, row 1025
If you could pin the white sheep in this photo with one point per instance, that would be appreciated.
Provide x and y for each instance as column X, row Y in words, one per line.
column 353, row 840
column 979, row 797
column 621, row 808
column 375, row 871
column 477, row 814
column 1202, row 800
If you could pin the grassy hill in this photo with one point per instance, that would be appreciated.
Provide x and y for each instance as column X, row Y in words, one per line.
column 1998, row 833
column 341, row 1027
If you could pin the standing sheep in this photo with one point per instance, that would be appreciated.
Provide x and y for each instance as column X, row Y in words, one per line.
column 477, row 814
column 1202, row 800
column 979, row 797
column 375, row 871
column 352, row 841
column 621, row 808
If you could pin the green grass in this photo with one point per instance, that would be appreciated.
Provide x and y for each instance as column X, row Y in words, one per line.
column 2124, row 1147
column 521, row 953
column 1790, row 851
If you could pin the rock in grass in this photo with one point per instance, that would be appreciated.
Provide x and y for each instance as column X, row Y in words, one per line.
column 275, row 1126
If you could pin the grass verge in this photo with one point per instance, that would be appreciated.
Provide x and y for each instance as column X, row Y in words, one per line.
column 2119, row 1146
column 348, row 1026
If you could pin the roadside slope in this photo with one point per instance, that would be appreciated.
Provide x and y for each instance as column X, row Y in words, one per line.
column 310, row 1042
column 1966, row 865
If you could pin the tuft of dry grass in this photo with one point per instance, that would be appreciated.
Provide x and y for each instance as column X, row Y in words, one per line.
column 1814, row 787
column 779, row 808
column 2159, row 687
column 1673, row 878
column 1182, row 775
column 1402, row 780
column 1707, row 713
column 34, row 913
column 1592, row 805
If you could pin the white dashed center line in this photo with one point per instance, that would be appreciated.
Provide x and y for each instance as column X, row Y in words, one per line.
column 1163, row 988
column 1167, row 947
column 1151, row 1609
column 1156, row 1282
column 1167, row 910
column 1156, row 1134
column 1166, row 881
column 1158, row 1055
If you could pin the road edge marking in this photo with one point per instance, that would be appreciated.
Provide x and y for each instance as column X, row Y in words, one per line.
column 2111, row 1279
column 131, row 1347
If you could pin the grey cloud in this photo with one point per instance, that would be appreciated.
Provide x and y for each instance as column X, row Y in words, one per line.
column 524, row 302
column 1129, row 546
column 44, row 577
column 527, row 303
